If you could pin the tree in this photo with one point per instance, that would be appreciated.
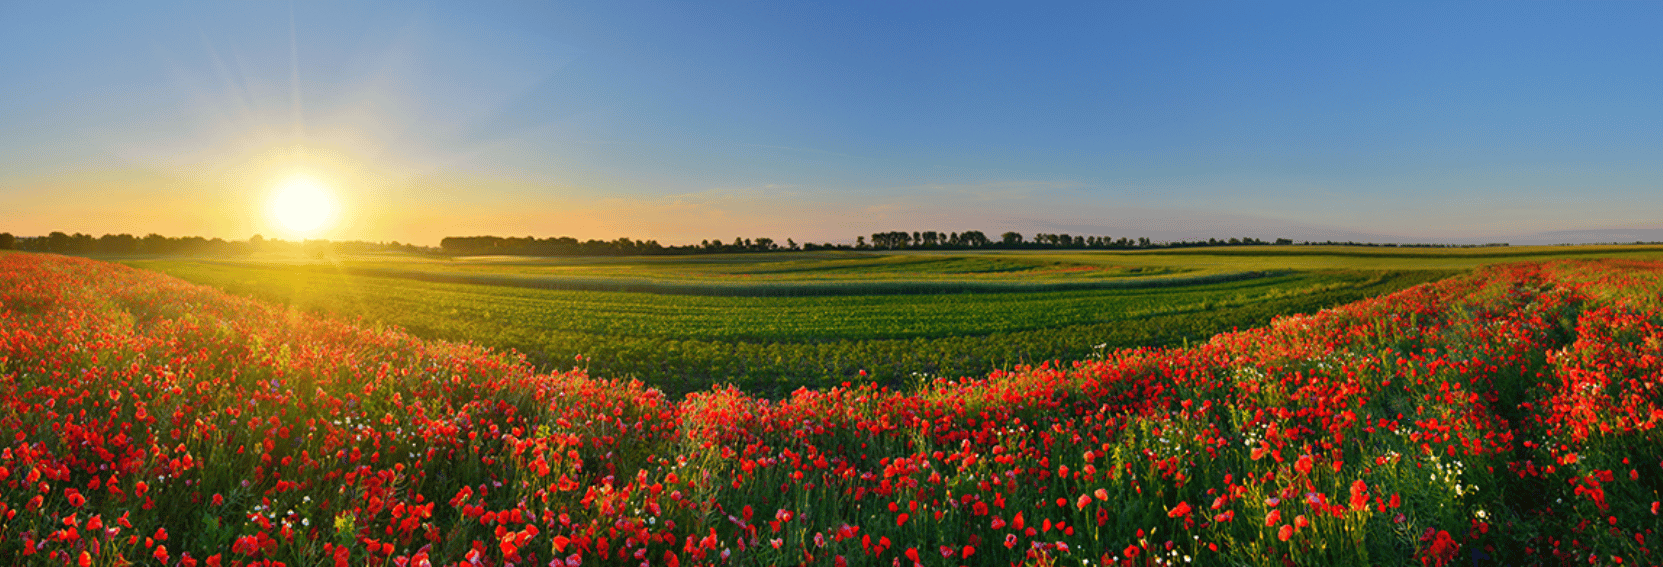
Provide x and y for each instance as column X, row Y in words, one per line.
column 7, row 241
column 118, row 244
column 892, row 240
column 1011, row 238
column 57, row 242
column 155, row 244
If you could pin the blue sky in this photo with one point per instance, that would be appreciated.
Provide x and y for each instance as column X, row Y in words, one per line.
column 1385, row 121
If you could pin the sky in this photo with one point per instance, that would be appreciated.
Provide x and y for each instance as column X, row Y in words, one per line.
column 1403, row 121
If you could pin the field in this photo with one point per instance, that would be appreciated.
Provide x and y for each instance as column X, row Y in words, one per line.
column 1509, row 416
column 769, row 323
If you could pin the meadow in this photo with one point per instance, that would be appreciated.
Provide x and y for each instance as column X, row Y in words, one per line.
column 1508, row 416
column 769, row 323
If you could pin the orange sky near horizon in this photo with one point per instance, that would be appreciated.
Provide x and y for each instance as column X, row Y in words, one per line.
column 680, row 122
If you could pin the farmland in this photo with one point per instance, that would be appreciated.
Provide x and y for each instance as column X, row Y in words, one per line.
column 772, row 323
column 1507, row 416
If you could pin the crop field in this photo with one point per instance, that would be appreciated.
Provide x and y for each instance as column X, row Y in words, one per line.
column 826, row 319
column 1508, row 416
column 787, row 273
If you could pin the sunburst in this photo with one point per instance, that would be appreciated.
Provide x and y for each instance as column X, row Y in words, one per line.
column 302, row 206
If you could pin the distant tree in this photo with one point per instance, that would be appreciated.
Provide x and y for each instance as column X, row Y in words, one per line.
column 80, row 242
column 860, row 242
column 1011, row 238
column 57, row 242
column 891, row 240
column 197, row 244
column 155, row 244
column 1284, row 241
column 118, row 244
column 7, row 241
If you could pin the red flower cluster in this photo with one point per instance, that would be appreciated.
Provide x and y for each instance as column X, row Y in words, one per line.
column 1511, row 415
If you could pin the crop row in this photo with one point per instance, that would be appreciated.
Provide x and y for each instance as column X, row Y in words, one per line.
column 773, row 345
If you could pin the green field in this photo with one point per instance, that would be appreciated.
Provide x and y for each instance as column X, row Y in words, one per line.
column 772, row 322
column 1007, row 266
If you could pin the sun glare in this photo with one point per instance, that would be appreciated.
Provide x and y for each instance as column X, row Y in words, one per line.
column 302, row 206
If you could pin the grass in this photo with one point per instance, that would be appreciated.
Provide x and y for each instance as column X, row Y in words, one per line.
column 1239, row 258
column 1019, row 266
column 397, row 300
column 775, row 321
column 823, row 319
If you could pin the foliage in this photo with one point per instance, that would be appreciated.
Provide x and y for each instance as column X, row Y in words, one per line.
column 157, row 245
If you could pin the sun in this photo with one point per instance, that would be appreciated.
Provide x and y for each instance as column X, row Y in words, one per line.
column 302, row 206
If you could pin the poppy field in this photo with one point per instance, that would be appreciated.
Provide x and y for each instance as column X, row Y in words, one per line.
column 1505, row 417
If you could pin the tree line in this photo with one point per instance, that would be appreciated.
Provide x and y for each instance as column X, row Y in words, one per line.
column 156, row 244
column 974, row 239
column 892, row 240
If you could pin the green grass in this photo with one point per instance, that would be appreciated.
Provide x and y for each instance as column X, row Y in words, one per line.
column 775, row 321
column 1024, row 266
column 438, row 307
column 934, row 315
column 745, row 286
